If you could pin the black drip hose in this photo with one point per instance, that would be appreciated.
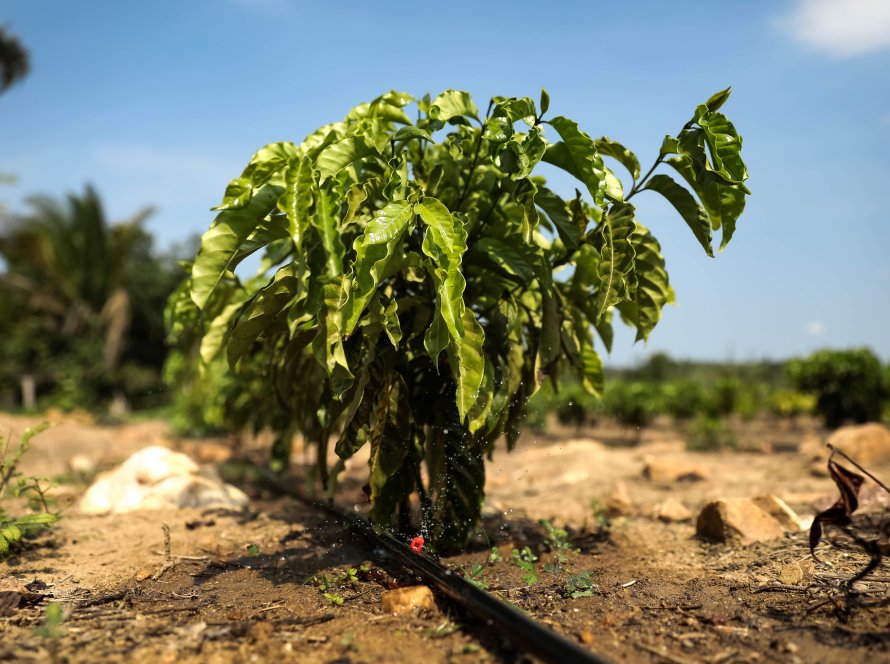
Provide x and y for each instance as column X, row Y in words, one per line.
column 523, row 632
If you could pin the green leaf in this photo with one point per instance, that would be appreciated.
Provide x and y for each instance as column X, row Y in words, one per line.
column 505, row 258
column 221, row 242
column 545, row 101
column 407, row 133
column 577, row 155
column 592, row 377
column 267, row 162
column 549, row 338
column 373, row 251
column 445, row 242
column 467, row 365
column 298, row 197
column 717, row 99
column 625, row 157
column 616, row 256
column 498, row 130
column 725, row 146
column 264, row 309
column 238, row 193
column 453, row 103
column 525, row 195
column 652, row 290
column 328, row 343
column 436, row 338
column 218, row 331
column 338, row 155
column 326, row 222
column 686, row 205
column 514, row 109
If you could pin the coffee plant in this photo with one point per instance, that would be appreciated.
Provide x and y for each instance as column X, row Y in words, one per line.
column 419, row 280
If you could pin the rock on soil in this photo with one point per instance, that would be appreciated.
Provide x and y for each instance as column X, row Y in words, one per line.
column 157, row 478
column 739, row 519
column 668, row 469
column 867, row 443
column 672, row 510
column 401, row 601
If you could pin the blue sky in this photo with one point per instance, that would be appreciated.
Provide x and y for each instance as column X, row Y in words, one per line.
column 162, row 103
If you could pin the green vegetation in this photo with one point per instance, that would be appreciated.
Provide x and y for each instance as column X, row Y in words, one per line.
column 425, row 281
column 81, row 306
column 848, row 385
column 14, row 528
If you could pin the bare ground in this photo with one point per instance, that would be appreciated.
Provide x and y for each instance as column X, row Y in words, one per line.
column 660, row 594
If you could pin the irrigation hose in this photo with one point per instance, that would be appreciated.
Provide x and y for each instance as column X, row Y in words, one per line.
column 515, row 626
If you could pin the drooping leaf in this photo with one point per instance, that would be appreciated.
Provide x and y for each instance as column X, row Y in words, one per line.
column 467, row 365
column 686, row 205
column 725, row 146
column 407, row 133
column 238, row 192
column 263, row 310
column 652, row 290
column 507, row 259
column 614, row 149
column 373, row 250
column 268, row 162
column 328, row 343
column 840, row 513
column 297, row 200
column 577, row 155
column 445, row 242
column 616, row 256
column 326, row 222
column 221, row 242
column 338, row 155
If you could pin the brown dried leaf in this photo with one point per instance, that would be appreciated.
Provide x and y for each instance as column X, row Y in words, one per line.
column 839, row 514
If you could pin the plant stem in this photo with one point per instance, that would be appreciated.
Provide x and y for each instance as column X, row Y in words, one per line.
column 638, row 186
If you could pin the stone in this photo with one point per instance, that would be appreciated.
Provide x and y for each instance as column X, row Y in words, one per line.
column 158, row 478
column 738, row 519
column 779, row 510
column 866, row 443
column 618, row 502
column 791, row 574
column 667, row 469
column 411, row 599
column 672, row 510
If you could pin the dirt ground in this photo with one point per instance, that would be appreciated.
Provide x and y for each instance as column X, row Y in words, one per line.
column 247, row 587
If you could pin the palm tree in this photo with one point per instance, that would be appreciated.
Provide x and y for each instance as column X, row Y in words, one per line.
column 14, row 64
column 88, row 283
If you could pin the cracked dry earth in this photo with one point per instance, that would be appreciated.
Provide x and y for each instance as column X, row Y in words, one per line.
column 247, row 587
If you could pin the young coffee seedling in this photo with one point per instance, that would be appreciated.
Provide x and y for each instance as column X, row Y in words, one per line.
column 419, row 281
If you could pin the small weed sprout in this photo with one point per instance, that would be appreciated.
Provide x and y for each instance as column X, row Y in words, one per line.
column 475, row 576
column 331, row 587
column 580, row 585
column 600, row 514
column 14, row 528
column 494, row 555
column 525, row 560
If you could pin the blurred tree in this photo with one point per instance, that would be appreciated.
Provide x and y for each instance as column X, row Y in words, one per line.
column 847, row 384
column 85, row 302
column 14, row 63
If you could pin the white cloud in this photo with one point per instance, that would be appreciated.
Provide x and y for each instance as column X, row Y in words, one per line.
column 815, row 328
column 840, row 28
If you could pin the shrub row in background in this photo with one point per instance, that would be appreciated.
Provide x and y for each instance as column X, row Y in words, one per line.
column 838, row 386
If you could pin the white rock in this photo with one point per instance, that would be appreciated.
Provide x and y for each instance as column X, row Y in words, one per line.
column 158, row 478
